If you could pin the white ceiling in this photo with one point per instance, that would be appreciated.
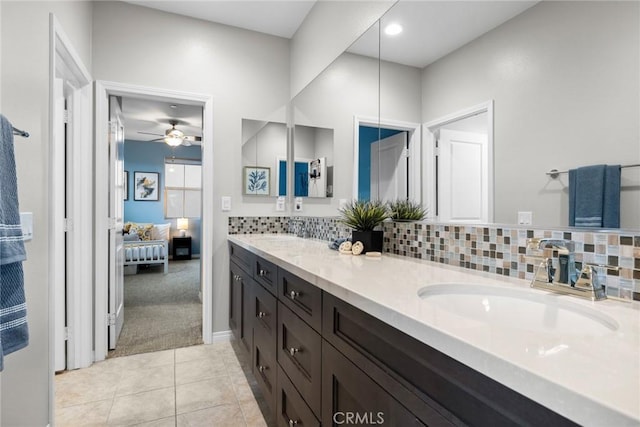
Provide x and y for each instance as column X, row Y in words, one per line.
column 279, row 18
column 432, row 29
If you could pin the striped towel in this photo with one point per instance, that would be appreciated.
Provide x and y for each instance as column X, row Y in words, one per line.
column 14, row 334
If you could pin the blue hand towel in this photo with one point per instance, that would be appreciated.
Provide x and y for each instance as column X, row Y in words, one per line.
column 594, row 196
column 14, row 334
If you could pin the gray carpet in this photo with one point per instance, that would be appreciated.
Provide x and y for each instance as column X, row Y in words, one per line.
column 161, row 311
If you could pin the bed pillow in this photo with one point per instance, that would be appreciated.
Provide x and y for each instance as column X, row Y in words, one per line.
column 131, row 237
column 143, row 230
column 160, row 231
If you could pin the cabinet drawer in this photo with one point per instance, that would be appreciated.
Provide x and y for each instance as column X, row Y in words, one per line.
column 302, row 297
column 266, row 273
column 348, row 393
column 299, row 355
column 291, row 408
column 265, row 369
column 429, row 383
column 242, row 257
column 263, row 311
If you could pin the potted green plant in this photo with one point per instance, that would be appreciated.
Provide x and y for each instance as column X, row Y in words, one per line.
column 363, row 217
column 406, row 210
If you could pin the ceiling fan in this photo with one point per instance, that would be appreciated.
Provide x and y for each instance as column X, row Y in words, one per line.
column 175, row 137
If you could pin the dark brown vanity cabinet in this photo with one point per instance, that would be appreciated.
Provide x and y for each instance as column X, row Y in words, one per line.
column 320, row 361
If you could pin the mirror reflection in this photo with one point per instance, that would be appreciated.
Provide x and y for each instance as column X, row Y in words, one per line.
column 263, row 145
column 557, row 80
column 313, row 165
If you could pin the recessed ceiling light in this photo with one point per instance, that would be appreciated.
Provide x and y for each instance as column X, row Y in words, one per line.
column 393, row 29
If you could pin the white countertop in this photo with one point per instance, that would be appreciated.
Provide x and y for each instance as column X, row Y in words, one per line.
column 589, row 376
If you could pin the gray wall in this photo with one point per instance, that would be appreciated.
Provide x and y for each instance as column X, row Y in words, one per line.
column 564, row 77
column 247, row 73
column 25, row 101
column 348, row 88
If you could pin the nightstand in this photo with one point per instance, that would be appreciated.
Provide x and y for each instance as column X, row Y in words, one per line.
column 181, row 248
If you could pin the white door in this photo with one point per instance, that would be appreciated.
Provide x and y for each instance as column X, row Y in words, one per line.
column 463, row 177
column 389, row 168
column 116, row 213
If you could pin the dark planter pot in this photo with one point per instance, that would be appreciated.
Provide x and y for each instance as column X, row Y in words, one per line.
column 372, row 240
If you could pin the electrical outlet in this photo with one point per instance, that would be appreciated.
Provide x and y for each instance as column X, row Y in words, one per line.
column 298, row 204
column 525, row 218
column 280, row 204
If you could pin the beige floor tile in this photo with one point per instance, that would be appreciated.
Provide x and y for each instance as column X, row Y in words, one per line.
column 253, row 415
column 164, row 422
column 197, row 352
column 84, row 386
column 199, row 370
column 144, row 360
column 92, row 414
column 145, row 379
column 143, row 407
column 244, row 393
column 218, row 416
column 204, row 394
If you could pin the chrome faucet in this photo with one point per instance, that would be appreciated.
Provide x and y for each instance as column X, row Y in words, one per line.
column 299, row 227
column 565, row 278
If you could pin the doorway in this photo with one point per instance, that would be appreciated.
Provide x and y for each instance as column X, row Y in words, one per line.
column 458, row 165
column 104, row 222
column 159, row 305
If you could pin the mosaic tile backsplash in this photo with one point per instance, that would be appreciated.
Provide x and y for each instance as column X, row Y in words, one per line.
column 495, row 249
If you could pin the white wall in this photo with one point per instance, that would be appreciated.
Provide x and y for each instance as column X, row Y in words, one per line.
column 327, row 31
column 247, row 73
column 564, row 77
column 348, row 88
column 25, row 101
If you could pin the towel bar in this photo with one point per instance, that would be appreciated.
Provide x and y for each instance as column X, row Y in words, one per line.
column 554, row 173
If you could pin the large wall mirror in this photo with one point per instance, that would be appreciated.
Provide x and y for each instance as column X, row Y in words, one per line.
column 551, row 85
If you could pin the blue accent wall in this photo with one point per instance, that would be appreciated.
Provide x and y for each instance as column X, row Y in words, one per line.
column 300, row 175
column 368, row 135
column 149, row 157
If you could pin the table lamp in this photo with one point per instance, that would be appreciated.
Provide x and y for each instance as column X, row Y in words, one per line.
column 183, row 226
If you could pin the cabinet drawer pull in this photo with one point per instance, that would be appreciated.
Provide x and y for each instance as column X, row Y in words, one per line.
column 263, row 273
column 293, row 351
column 262, row 368
column 262, row 314
column 294, row 294
column 292, row 423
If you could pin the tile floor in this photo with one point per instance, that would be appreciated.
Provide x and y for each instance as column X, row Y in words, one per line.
column 205, row 385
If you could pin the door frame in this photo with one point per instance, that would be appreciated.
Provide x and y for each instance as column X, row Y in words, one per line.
column 415, row 170
column 429, row 153
column 102, row 91
column 77, row 228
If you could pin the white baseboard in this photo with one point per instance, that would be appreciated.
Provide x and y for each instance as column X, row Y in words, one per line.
column 221, row 336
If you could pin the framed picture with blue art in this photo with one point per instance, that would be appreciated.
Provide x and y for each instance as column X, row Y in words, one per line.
column 256, row 180
column 146, row 186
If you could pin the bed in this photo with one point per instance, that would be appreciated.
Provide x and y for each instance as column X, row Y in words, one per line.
column 147, row 252
column 146, row 244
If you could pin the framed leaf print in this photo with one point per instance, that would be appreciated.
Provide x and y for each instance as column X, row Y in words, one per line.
column 256, row 180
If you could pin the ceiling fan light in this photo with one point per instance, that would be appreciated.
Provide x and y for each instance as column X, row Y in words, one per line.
column 173, row 141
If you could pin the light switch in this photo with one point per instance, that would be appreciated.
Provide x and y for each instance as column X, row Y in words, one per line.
column 525, row 218
column 280, row 204
column 226, row 203
column 26, row 222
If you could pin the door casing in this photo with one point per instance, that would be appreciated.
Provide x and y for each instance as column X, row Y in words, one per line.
column 102, row 91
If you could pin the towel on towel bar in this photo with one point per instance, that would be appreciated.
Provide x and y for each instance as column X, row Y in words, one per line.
column 594, row 196
column 14, row 333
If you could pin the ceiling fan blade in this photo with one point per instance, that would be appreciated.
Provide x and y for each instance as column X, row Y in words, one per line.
column 149, row 133
column 193, row 138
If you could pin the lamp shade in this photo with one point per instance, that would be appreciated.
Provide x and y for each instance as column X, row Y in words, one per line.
column 183, row 224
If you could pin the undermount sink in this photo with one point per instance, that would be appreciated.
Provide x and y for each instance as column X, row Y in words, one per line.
column 525, row 310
